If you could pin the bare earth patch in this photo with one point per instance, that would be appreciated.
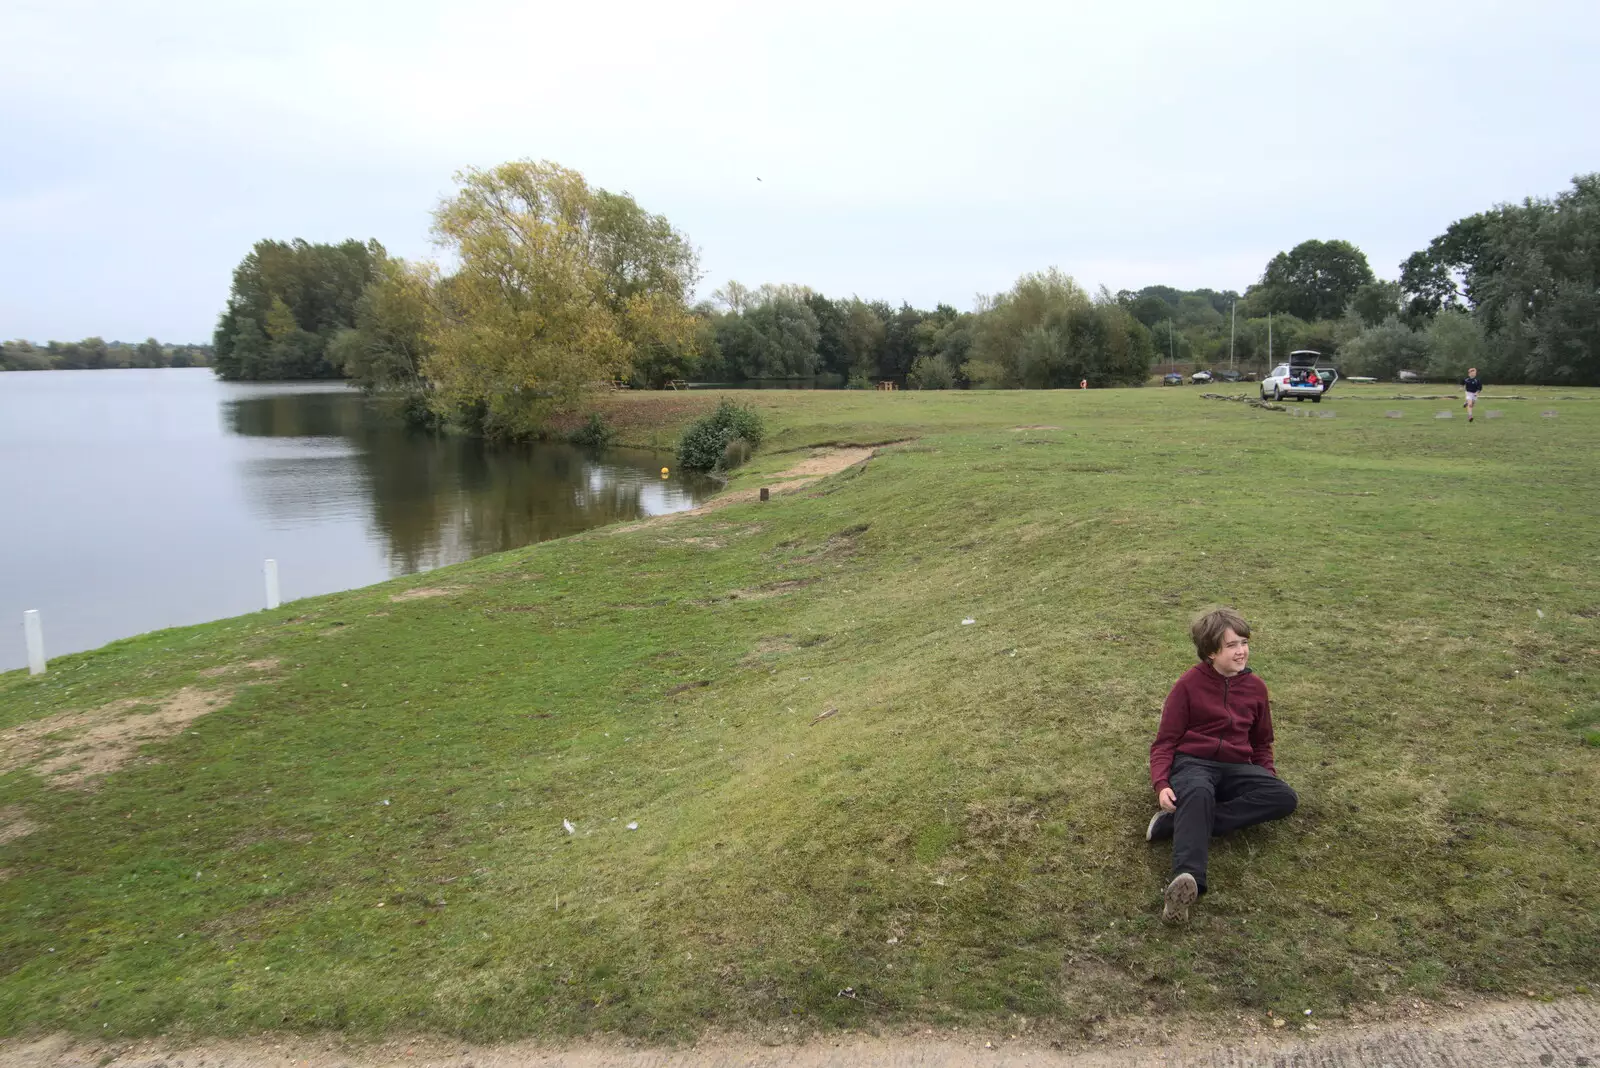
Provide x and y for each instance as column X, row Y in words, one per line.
column 840, row 544
column 14, row 825
column 261, row 667
column 424, row 591
column 1036, row 426
column 73, row 748
column 767, row 650
column 770, row 589
column 1565, row 1032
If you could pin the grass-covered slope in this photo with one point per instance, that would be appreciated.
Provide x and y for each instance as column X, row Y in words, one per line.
column 370, row 835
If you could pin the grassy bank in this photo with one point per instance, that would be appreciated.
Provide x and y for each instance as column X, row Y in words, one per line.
column 851, row 808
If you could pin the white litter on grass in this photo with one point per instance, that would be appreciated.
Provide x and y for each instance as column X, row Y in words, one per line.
column 385, row 801
column 1539, row 612
column 968, row 622
column 569, row 827
column 634, row 826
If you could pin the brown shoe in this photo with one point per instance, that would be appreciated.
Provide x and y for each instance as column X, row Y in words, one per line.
column 1181, row 893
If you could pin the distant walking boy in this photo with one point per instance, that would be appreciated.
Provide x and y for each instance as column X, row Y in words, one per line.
column 1211, row 763
column 1472, row 386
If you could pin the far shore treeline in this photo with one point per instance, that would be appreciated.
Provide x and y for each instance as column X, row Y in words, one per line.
column 559, row 287
column 95, row 354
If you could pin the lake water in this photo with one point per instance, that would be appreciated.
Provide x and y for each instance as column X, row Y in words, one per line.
column 140, row 499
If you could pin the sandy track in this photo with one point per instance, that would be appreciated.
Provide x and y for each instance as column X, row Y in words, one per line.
column 819, row 465
column 802, row 474
column 1562, row 1034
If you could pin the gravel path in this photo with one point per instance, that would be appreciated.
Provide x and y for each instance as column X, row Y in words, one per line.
column 1562, row 1034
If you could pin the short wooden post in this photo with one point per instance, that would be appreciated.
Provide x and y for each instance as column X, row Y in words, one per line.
column 764, row 493
column 271, row 569
column 33, row 632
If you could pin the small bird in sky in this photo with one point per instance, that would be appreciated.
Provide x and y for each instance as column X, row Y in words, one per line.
column 758, row 177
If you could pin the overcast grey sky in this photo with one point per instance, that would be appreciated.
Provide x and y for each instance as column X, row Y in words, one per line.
column 907, row 151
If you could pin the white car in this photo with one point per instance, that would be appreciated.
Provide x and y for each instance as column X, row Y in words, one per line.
column 1200, row 376
column 1294, row 379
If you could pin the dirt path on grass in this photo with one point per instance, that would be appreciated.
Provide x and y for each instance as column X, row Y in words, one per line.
column 819, row 465
column 1561, row 1034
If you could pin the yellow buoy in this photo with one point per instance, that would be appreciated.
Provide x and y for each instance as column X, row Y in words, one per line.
column 663, row 472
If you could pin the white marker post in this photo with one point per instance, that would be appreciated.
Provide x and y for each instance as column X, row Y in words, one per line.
column 271, row 568
column 34, row 632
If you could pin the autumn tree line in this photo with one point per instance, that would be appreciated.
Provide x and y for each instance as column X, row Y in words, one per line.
column 94, row 354
column 556, row 287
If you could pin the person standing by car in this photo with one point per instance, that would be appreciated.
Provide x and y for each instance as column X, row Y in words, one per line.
column 1473, row 387
column 1211, row 763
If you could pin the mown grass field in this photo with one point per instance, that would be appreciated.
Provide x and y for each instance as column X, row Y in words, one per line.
column 370, row 837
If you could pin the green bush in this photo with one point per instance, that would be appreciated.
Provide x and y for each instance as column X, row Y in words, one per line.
column 596, row 433
column 417, row 413
column 706, row 440
column 931, row 372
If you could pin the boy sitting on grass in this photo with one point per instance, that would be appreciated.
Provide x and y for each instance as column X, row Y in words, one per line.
column 1211, row 762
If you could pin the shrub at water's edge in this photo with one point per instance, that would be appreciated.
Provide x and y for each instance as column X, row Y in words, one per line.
column 705, row 442
column 594, row 433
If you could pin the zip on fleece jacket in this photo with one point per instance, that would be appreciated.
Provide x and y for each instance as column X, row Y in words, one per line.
column 1215, row 717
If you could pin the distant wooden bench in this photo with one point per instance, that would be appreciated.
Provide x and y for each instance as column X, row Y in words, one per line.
column 887, row 386
column 677, row 383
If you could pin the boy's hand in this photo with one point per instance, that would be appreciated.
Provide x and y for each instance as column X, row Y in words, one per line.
column 1168, row 799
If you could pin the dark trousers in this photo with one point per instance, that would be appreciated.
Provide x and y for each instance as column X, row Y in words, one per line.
column 1215, row 798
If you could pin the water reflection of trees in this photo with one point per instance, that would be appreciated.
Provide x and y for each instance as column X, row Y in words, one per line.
column 296, row 415
column 441, row 499
column 438, row 501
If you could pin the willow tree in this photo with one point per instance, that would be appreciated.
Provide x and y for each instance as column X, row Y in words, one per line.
column 1047, row 333
column 560, row 287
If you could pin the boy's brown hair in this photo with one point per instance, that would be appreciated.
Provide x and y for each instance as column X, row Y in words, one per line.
column 1207, row 630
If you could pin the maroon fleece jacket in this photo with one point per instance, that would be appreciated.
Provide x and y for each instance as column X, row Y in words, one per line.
column 1215, row 717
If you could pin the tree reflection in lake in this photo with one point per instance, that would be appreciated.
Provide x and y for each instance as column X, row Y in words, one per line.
column 438, row 499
